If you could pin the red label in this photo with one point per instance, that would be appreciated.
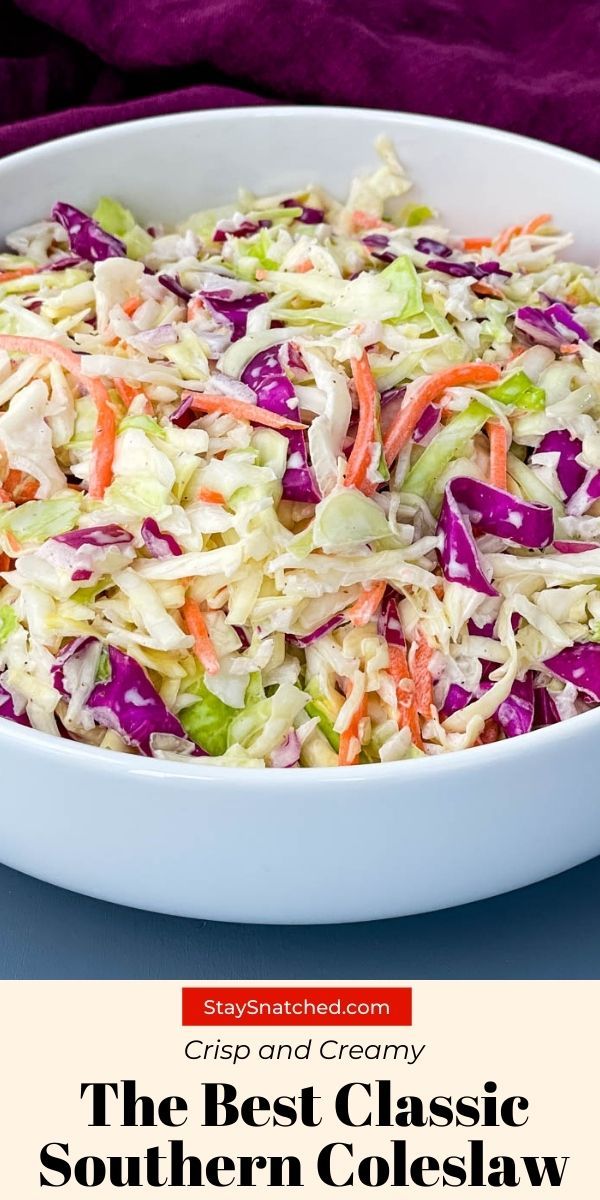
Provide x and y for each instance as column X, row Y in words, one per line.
column 297, row 1006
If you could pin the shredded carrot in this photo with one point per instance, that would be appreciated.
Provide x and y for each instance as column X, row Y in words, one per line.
column 203, row 402
column 421, row 675
column 13, row 542
column 4, row 497
column 427, row 391
column 364, row 608
column 132, row 305
column 203, row 647
column 125, row 390
column 498, row 453
column 516, row 353
column 536, row 223
column 408, row 717
column 103, row 449
column 5, row 563
column 195, row 305
column 481, row 288
column 20, row 487
column 349, row 751
column 304, row 266
column 363, row 220
column 476, row 243
column 569, row 348
column 18, row 273
column 103, row 443
column 360, row 455
column 209, row 497
column 504, row 238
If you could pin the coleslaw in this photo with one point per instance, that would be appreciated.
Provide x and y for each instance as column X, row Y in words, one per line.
column 298, row 482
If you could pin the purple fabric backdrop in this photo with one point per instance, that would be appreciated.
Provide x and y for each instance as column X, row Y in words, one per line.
column 531, row 67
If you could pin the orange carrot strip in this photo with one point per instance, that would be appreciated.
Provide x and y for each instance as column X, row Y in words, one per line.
column 4, row 497
column 5, row 563
column 13, row 542
column 125, row 390
column 132, row 305
column 103, row 449
column 426, row 391
column 569, row 348
column 18, row 273
column 203, row 402
column 360, row 455
column 349, row 750
column 304, row 266
column 203, row 647
column 536, row 223
column 504, row 238
column 516, row 353
column 422, row 676
column 363, row 220
column 476, row 243
column 364, row 608
column 195, row 305
column 485, row 289
column 20, row 486
column 103, row 445
column 408, row 717
column 209, row 497
column 498, row 453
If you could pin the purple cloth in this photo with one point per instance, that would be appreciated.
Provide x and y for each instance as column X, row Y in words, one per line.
column 529, row 68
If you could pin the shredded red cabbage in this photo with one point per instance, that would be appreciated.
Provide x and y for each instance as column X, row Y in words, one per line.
column 86, row 237
column 274, row 391
column 157, row 543
column 494, row 511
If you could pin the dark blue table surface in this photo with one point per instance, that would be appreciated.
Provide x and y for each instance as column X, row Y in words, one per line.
column 547, row 931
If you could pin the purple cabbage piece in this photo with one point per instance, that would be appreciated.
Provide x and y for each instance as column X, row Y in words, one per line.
column 265, row 375
column 63, row 264
column 427, row 421
column 126, row 702
column 172, row 284
column 575, row 547
column 235, row 311
column 579, row 665
column 496, row 512
column 585, row 495
column 378, row 245
column 77, row 646
column 308, row 638
column 244, row 229
column 81, row 575
column 388, row 623
column 288, row 753
column 550, row 326
column 457, row 697
column 243, row 636
column 95, row 535
column 395, row 393
column 158, row 544
column 570, row 473
column 515, row 714
column 7, row 709
column 308, row 216
column 545, row 710
column 87, row 238
column 429, row 246
column 184, row 414
column 462, row 270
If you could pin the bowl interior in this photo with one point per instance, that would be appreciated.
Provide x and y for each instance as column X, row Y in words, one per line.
column 167, row 167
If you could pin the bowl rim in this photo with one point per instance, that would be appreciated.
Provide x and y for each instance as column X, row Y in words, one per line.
column 122, row 763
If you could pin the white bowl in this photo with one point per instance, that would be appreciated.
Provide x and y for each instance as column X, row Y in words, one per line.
column 298, row 846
